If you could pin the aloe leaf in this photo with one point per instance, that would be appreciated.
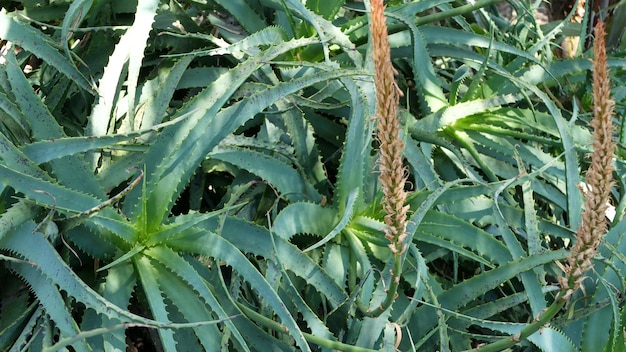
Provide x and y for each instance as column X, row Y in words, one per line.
column 14, row 335
column 256, row 240
column 424, row 72
column 416, row 274
column 157, row 93
column 327, row 31
column 71, row 171
column 247, row 17
column 335, row 262
column 343, row 222
column 128, row 53
column 451, row 36
column 14, row 117
column 303, row 140
column 456, row 231
column 190, row 276
column 257, row 339
column 318, row 328
column 200, row 77
column 356, row 149
column 371, row 330
column 390, row 338
column 574, row 198
column 185, row 300
column 209, row 132
column 37, row 43
column 57, row 197
column 184, row 222
column 131, row 253
column 95, row 242
column 162, row 157
column 533, row 241
column 220, row 248
column 73, row 17
column 289, row 182
column 304, row 217
column 137, row 34
column 31, row 331
column 326, row 9
column 453, row 247
column 490, row 309
column 148, row 277
column 41, row 252
column 365, row 269
column 118, row 289
column 47, row 150
column 50, row 298
column 464, row 109
column 468, row 290
column 616, row 328
column 15, row 159
column 52, row 149
column 269, row 35
column 426, row 177
column 53, row 195
column 529, row 279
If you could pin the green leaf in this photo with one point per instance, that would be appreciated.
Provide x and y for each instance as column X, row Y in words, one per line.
column 244, row 13
column 50, row 298
column 343, row 222
column 354, row 162
column 209, row 244
column 256, row 240
column 57, row 197
column 468, row 290
column 75, row 14
column 459, row 232
column 288, row 182
column 71, row 171
column 177, row 265
column 168, row 159
column 176, row 168
column 148, row 277
column 128, row 51
column 24, row 35
column 301, row 218
column 424, row 72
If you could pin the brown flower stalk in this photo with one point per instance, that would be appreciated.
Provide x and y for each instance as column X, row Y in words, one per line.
column 392, row 172
column 392, row 177
column 599, row 176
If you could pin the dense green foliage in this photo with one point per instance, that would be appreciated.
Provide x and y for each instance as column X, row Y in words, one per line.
column 206, row 171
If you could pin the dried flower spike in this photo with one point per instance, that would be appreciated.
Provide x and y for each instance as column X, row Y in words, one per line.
column 599, row 176
column 392, row 172
column 392, row 177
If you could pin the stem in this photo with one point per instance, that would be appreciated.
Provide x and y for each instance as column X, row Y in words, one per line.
column 528, row 330
column 394, row 282
column 440, row 16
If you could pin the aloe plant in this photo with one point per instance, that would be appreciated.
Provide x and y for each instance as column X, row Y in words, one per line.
column 215, row 184
column 137, row 248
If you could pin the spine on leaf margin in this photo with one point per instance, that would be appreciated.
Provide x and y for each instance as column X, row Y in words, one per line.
column 393, row 174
